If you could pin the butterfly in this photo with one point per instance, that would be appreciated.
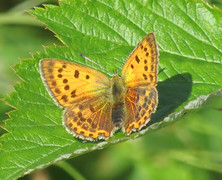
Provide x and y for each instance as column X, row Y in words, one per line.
column 96, row 106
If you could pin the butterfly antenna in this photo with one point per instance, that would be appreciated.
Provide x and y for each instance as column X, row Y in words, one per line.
column 116, row 73
column 94, row 62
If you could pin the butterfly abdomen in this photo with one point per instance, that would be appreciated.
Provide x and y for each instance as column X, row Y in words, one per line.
column 118, row 114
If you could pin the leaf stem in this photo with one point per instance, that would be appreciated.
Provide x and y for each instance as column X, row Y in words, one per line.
column 14, row 18
column 70, row 170
column 25, row 5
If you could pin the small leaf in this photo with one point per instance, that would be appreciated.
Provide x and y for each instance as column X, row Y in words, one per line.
column 190, row 69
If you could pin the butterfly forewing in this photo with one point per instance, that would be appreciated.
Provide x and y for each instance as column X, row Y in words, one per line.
column 69, row 82
column 141, row 66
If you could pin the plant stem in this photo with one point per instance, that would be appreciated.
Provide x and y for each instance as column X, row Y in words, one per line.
column 70, row 170
column 24, row 19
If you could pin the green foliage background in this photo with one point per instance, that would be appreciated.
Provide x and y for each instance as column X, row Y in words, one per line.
column 189, row 149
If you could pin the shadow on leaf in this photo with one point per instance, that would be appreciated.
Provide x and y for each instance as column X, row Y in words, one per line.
column 172, row 93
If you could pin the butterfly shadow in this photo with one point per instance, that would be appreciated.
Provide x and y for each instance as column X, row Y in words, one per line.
column 172, row 93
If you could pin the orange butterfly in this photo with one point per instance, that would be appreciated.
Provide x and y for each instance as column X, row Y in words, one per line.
column 95, row 106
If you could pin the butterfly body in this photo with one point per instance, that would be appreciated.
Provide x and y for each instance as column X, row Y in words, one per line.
column 119, row 91
column 96, row 106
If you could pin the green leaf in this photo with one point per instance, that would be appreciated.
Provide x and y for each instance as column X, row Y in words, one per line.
column 189, row 37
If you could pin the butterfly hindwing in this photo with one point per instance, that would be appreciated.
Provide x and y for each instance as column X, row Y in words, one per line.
column 140, row 102
column 90, row 119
